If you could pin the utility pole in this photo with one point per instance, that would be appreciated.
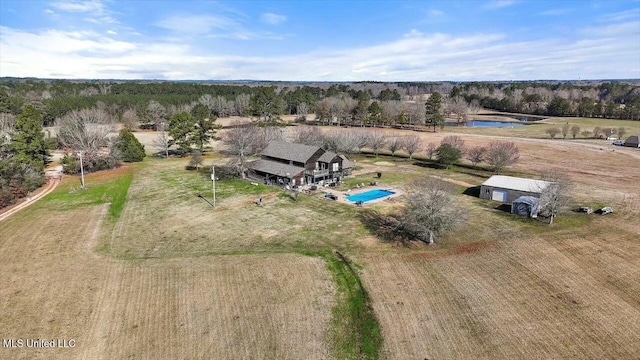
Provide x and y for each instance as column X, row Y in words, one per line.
column 213, row 179
column 81, row 171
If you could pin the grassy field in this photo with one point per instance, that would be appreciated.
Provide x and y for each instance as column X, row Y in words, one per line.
column 537, row 129
column 137, row 266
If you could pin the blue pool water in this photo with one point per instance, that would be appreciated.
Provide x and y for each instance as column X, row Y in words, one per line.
column 369, row 195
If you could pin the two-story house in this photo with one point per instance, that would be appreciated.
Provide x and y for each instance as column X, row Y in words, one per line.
column 297, row 164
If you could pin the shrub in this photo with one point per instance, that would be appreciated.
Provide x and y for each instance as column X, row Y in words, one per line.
column 448, row 154
column 128, row 148
column 71, row 163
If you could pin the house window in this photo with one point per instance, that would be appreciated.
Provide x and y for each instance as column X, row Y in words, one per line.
column 336, row 166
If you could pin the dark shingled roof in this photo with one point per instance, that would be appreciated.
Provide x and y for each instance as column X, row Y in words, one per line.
column 346, row 164
column 288, row 151
column 275, row 168
column 327, row 157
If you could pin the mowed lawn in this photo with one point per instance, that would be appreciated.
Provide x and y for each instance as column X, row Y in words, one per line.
column 138, row 266
column 55, row 284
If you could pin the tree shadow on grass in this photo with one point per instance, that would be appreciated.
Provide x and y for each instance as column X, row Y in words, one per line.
column 386, row 227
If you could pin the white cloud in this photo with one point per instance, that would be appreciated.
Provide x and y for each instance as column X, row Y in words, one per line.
column 79, row 6
column 413, row 57
column 111, row 32
column 95, row 11
column 621, row 16
column 436, row 12
column 498, row 4
column 198, row 24
column 272, row 19
column 555, row 12
column 412, row 33
column 212, row 26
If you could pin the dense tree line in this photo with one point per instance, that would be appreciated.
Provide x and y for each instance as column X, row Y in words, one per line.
column 23, row 155
column 355, row 104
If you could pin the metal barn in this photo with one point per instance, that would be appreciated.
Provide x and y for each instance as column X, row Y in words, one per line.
column 506, row 189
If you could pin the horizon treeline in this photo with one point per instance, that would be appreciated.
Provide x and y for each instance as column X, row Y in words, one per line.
column 380, row 103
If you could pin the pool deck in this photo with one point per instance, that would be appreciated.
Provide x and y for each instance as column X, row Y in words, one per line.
column 342, row 195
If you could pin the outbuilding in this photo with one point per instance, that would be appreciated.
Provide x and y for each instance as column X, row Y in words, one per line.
column 506, row 189
column 526, row 205
column 632, row 141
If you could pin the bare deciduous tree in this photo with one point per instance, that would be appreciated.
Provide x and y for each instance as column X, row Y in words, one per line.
column 608, row 131
column 162, row 141
column 302, row 110
column 7, row 121
column 476, row 155
column 621, row 132
column 575, row 130
column 554, row 197
column 597, row 132
column 431, row 150
column 262, row 136
column 501, row 154
column 431, row 210
column 565, row 130
column 585, row 133
column 455, row 141
column 239, row 141
column 130, row 119
column 85, row 130
column 308, row 135
column 553, row 132
column 376, row 140
column 242, row 104
column 157, row 113
column 352, row 142
column 411, row 144
column 394, row 144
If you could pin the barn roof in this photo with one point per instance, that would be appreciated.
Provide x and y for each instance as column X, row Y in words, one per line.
column 327, row 157
column 633, row 139
column 516, row 183
column 275, row 168
column 289, row 151
column 346, row 164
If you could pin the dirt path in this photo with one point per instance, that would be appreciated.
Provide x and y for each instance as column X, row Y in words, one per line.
column 53, row 175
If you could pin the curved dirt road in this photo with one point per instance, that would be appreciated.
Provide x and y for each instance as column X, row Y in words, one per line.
column 53, row 178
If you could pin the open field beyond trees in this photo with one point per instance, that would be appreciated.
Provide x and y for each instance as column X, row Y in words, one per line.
column 137, row 266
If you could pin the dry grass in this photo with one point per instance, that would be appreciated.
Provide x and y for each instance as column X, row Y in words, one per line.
column 250, row 306
column 516, row 294
column 174, row 278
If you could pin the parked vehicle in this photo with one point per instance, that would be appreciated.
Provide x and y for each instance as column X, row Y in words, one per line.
column 331, row 196
column 618, row 143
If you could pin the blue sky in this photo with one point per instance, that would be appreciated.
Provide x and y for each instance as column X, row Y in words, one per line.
column 321, row 40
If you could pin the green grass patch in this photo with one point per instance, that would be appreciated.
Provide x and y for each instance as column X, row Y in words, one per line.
column 111, row 189
column 355, row 329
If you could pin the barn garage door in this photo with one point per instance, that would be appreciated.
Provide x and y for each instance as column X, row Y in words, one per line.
column 499, row 195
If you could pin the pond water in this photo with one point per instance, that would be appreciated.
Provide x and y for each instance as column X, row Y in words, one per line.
column 477, row 123
column 482, row 123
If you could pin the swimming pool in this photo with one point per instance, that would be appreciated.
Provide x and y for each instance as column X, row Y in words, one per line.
column 369, row 195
